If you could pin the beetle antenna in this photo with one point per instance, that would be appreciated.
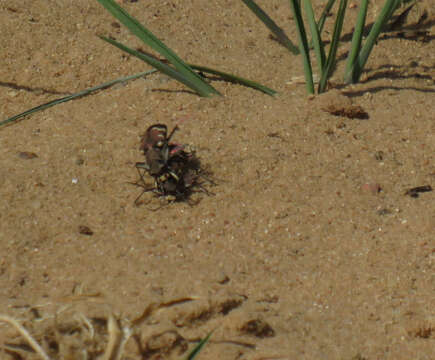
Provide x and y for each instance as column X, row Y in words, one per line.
column 172, row 133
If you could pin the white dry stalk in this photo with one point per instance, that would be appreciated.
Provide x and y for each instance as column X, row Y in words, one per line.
column 301, row 80
column 88, row 324
column 25, row 334
column 118, row 337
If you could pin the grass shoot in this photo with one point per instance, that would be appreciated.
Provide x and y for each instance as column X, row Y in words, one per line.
column 359, row 52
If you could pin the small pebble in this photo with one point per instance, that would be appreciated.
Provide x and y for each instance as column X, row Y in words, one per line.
column 383, row 212
column 223, row 278
column 372, row 188
column 80, row 160
column 27, row 155
column 379, row 155
column 85, row 230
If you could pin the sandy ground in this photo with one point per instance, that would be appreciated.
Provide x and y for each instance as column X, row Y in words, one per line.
column 309, row 248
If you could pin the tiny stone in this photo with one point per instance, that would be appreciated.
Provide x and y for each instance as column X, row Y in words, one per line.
column 27, row 155
column 384, row 212
column 379, row 155
column 80, row 160
column 223, row 278
column 85, row 230
column 372, row 188
column 36, row 204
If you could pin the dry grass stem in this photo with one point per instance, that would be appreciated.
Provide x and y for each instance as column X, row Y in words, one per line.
column 152, row 308
column 88, row 324
column 118, row 337
column 25, row 334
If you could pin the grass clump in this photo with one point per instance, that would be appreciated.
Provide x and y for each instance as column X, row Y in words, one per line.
column 173, row 66
column 359, row 52
column 71, row 334
column 180, row 70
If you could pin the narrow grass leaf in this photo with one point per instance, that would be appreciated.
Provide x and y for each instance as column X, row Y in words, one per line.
column 324, row 14
column 330, row 62
column 74, row 96
column 380, row 23
column 151, row 40
column 272, row 26
column 173, row 73
column 317, row 41
column 303, row 45
column 235, row 79
column 166, row 69
column 356, row 42
column 322, row 19
column 196, row 350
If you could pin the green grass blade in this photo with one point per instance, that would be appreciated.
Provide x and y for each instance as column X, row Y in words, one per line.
column 317, row 41
column 235, row 79
column 151, row 40
column 196, row 350
column 166, row 69
column 272, row 26
column 173, row 73
column 225, row 76
column 380, row 23
column 356, row 42
column 303, row 45
column 330, row 62
column 324, row 14
column 322, row 19
column 74, row 96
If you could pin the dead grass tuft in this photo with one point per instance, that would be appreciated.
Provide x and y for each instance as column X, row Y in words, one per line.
column 86, row 328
